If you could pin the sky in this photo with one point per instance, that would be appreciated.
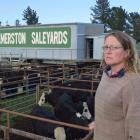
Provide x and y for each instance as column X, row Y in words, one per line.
column 57, row 11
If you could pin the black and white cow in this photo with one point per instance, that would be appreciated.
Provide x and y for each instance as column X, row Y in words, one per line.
column 46, row 128
column 91, row 105
column 66, row 111
column 71, row 111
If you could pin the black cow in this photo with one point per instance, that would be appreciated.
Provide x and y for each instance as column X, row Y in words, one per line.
column 52, row 96
column 67, row 98
column 45, row 128
column 69, row 107
column 91, row 105
column 66, row 111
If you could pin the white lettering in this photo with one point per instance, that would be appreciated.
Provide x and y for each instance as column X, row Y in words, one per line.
column 51, row 37
column 13, row 38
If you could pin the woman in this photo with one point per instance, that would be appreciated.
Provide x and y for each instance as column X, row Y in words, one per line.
column 117, row 100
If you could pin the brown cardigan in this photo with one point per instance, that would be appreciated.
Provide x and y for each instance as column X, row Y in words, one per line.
column 117, row 108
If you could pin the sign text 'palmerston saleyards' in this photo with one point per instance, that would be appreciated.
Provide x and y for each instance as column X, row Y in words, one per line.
column 36, row 37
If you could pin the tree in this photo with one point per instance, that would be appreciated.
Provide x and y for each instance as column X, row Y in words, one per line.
column 17, row 22
column 117, row 18
column 134, row 25
column 30, row 16
column 100, row 12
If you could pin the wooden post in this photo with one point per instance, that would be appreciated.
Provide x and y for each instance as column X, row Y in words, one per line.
column 7, row 137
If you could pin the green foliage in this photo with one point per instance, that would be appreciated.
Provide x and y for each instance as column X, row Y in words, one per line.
column 117, row 18
column 30, row 16
column 134, row 25
column 100, row 12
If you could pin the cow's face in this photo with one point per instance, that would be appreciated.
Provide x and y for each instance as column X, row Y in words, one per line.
column 86, row 113
column 42, row 99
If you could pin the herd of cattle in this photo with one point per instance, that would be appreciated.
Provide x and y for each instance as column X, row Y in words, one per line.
column 69, row 106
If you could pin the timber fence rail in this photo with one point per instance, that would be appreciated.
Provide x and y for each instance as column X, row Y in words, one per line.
column 8, row 129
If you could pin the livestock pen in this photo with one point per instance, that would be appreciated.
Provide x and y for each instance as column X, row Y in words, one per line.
column 61, row 76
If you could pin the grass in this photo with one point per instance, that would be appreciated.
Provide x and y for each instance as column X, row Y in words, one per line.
column 20, row 103
column 13, row 119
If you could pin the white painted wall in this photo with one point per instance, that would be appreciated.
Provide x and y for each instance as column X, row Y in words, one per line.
column 97, row 47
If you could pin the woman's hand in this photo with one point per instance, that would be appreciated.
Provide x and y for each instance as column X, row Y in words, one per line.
column 92, row 126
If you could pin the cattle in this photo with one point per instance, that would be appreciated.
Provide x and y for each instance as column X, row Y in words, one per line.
column 46, row 128
column 65, row 98
column 52, row 96
column 86, row 112
column 78, row 95
column 91, row 105
column 68, row 110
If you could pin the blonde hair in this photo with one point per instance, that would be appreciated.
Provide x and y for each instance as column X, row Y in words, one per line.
column 128, row 43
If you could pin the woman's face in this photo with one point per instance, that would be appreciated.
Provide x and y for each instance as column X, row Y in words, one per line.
column 114, row 53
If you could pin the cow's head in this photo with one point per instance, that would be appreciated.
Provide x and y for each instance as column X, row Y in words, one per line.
column 48, row 90
column 42, row 99
column 86, row 113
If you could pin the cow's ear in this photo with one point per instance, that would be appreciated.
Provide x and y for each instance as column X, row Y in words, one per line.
column 48, row 90
column 42, row 99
